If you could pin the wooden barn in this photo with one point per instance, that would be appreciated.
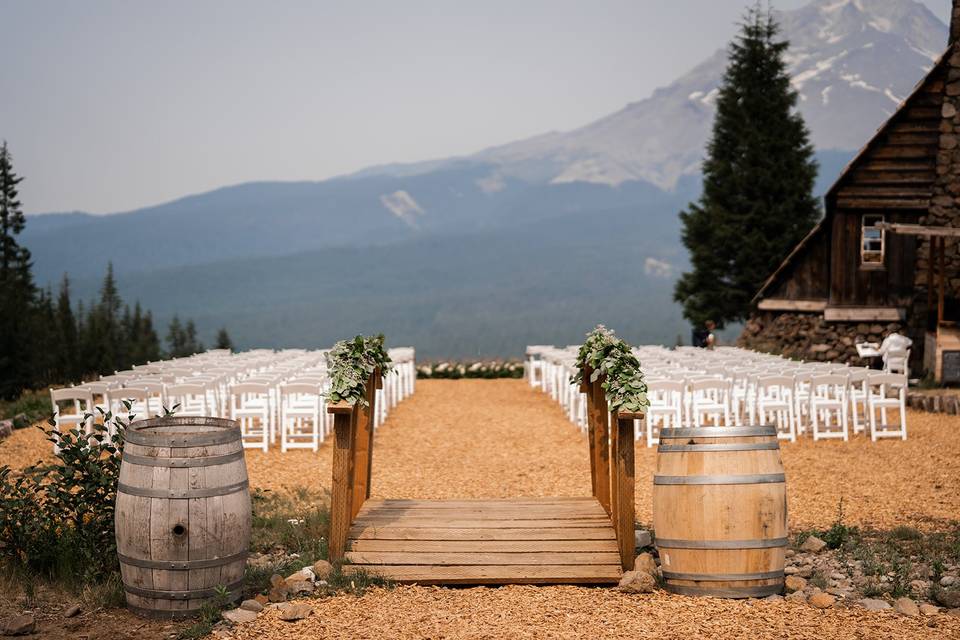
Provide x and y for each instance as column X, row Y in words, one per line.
column 884, row 257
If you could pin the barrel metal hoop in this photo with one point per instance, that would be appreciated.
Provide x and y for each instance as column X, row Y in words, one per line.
column 174, row 565
column 768, row 543
column 182, row 493
column 183, row 463
column 181, row 595
column 721, row 577
column 726, row 592
column 745, row 446
column 182, row 440
column 719, row 432
column 758, row 478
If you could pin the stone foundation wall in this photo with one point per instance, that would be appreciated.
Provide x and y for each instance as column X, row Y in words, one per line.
column 807, row 336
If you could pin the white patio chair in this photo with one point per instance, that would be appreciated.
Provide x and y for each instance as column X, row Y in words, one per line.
column 302, row 424
column 77, row 411
column 193, row 399
column 897, row 361
column 251, row 406
column 710, row 398
column 666, row 408
column 775, row 404
column 857, row 377
column 828, row 406
column 887, row 391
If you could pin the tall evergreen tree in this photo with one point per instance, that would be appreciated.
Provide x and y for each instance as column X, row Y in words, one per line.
column 149, row 341
column 67, row 330
column 176, row 338
column 193, row 345
column 17, row 292
column 757, row 200
column 223, row 339
column 108, row 335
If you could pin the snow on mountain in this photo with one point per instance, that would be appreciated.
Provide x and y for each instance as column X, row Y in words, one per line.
column 852, row 62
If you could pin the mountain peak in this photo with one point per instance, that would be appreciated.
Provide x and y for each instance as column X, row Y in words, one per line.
column 852, row 62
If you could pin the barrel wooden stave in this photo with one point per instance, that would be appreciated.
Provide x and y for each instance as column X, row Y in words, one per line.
column 210, row 534
column 726, row 540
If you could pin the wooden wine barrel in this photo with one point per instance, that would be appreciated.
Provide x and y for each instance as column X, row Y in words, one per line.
column 720, row 511
column 182, row 514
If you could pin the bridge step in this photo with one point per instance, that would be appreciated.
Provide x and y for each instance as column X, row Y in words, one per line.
column 509, row 541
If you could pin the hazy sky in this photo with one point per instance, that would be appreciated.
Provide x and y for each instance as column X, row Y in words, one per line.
column 109, row 106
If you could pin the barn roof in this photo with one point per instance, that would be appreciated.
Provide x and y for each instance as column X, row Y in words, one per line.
column 830, row 197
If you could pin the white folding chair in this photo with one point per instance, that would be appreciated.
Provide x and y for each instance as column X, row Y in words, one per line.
column 666, row 408
column 710, row 398
column 77, row 412
column 828, row 406
column 302, row 424
column 774, row 403
column 887, row 391
column 857, row 377
column 192, row 399
column 897, row 361
column 250, row 405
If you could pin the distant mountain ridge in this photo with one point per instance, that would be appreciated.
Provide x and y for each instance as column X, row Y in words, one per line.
column 851, row 60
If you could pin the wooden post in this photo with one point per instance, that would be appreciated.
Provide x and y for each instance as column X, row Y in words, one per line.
column 625, row 486
column 364, row 417
column 600, row 445
column 930, row 259
column 341, row 491
column 943, row 276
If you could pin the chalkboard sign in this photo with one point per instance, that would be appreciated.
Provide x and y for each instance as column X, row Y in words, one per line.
column 951, row 366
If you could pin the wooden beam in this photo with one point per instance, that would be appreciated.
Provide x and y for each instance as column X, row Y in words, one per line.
column 781, row 304
column 625, row 488
column 930, row 258
column 942, row 277
column 341, row 491
column 864, row 314
column 919, row 229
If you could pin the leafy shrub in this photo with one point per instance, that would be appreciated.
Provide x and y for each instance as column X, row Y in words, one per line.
column 56, row 520
column 483, row 370
column 608, row 356
column 839, row 534
column 351, row 362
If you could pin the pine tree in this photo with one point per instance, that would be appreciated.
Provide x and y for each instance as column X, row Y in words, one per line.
column 757, row 200
column 176, row 338
column 223, row 339
column 149, row 341
column 192, row 345
column 67, row 330
column 17, row 293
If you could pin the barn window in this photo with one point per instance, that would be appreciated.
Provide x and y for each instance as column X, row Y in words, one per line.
column 871, row 240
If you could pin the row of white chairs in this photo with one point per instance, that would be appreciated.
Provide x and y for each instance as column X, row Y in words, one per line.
column 274, row 396
column 693, row 387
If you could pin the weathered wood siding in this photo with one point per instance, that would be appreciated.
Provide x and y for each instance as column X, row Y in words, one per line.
column 892, row 177
column 807, row 277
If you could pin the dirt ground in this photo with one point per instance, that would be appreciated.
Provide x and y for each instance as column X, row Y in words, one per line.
column 500, row 438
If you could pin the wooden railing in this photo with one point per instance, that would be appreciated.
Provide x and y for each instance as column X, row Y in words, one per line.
column 612, row 468
column 352, row 464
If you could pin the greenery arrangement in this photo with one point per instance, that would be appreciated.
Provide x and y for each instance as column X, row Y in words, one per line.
column 57, row 519
column 457, row 370
column 758, row 177
column 607, row 355
column 46, row 339
column 350, row 363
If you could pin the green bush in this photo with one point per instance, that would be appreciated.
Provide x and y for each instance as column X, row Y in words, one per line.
column 56, row 520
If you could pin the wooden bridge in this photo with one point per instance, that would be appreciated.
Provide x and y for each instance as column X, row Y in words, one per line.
column 562, row 540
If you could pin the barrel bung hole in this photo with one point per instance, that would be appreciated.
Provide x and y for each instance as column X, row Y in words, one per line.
column 179, row 530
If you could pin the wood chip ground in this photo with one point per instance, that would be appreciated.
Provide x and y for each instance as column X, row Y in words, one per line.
column 500, row 439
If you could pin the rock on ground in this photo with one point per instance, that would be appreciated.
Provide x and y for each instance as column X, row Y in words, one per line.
column 239, row 616
column 637, row 582
column 929, row 609
column 813, row 544
column 252, row 605
column 821, row 600
column 645, row 562
column 292, row 612
column 322, row 569
column 907, row 607
column 19, row 625
column 72, row 611
column 643, row 538
column 950, row 598
column 874, row 604
column 794, row 583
